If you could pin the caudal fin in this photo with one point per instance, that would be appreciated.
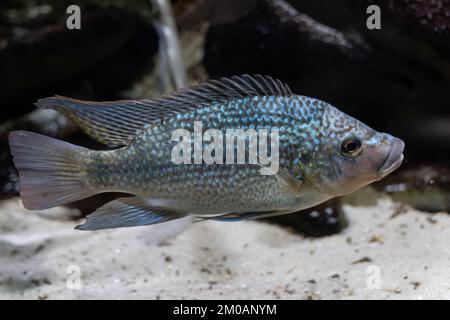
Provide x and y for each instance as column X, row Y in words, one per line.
column 49, row 170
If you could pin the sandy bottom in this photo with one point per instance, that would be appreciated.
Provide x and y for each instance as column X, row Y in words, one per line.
column 385, row 253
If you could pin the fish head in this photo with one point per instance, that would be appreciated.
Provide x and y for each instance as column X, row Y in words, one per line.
column 354, row 155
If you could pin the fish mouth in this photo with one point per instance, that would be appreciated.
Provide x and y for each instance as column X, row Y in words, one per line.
column 394, row 159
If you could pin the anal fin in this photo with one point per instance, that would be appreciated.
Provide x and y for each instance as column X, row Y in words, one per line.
column 127, row 212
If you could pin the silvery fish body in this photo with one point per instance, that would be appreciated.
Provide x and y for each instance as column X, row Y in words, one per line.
column 216, row 188
column 322, row 153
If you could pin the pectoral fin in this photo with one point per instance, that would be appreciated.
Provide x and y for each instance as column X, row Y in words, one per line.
column 290, row 185
column 127, row 212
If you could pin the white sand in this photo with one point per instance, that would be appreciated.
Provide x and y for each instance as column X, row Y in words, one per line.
column 214, row 260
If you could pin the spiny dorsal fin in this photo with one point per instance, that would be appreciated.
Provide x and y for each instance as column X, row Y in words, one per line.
column 117, row 122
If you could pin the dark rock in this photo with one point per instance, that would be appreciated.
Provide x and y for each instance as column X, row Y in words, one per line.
column 325, row 219
column 273, row 38
column 113, row 49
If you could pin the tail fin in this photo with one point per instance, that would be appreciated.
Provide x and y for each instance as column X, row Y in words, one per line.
column 49, row 170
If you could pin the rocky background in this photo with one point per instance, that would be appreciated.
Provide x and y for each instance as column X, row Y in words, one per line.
column 396, row 79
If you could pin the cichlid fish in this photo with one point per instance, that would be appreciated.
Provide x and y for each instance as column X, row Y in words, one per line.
column 323, row 153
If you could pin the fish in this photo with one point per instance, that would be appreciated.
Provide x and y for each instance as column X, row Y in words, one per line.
column 322, row 153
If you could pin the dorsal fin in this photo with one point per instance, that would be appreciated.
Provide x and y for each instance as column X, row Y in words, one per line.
column 117, row 122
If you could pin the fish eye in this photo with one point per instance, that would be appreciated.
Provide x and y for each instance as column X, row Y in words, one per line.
column 351, row 147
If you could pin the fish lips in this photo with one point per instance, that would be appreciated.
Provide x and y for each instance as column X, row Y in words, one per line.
column 394, row 159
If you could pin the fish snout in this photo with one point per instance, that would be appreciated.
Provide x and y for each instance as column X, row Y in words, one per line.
column 394, row 158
